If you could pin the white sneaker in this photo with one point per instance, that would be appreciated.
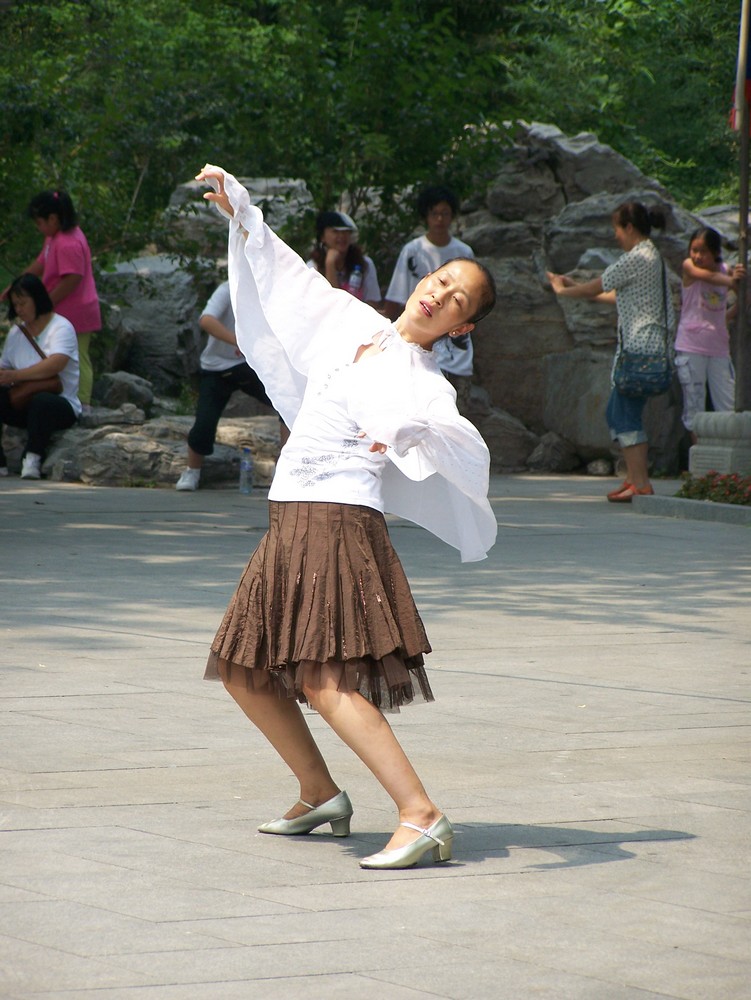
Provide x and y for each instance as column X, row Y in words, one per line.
column 3, row 470
column 32, row 466
column 188, row 480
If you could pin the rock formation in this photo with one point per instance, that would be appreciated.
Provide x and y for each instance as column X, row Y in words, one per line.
column 544, row 360
column 542, row 364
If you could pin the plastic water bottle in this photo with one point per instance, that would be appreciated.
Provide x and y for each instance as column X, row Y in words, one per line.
column 246, row 472
column 355, row 280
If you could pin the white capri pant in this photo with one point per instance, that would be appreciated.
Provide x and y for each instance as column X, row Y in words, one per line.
column 697, row 371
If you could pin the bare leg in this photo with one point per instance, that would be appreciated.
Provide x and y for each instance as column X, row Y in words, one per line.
column 635, row 457
column 365, row 731
column 282, row 723
column 195, row 461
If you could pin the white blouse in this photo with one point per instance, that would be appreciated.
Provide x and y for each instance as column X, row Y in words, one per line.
column 301, row 336
column 58, row 337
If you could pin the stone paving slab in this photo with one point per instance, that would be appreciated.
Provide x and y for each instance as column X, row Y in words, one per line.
column 589, row 740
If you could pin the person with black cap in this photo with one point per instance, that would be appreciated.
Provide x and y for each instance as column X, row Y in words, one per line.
column 341, row 260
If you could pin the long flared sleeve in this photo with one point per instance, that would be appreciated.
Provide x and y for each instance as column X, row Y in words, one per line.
column 287, row 316
column 439, row 465
column 285, row 312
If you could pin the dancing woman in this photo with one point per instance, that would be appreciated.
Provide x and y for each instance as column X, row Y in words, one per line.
column 323, row 613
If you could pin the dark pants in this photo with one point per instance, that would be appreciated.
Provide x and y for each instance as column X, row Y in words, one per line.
column 214, row 392
column 45, row 414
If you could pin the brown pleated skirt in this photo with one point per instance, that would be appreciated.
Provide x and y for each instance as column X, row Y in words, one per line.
column 324, row 584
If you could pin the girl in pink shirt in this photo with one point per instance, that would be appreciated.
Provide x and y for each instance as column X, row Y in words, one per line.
column 702, row 343
column 64, row 265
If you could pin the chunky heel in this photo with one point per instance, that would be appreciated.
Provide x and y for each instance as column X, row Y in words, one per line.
column 340, row 827
column 337, row 811
column 442, row 852
column 437, row 839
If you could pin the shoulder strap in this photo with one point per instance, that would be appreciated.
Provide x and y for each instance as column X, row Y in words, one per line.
column 32, row 341
column 665, row 300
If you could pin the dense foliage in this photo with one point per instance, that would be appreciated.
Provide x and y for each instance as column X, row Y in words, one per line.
column 120, row 100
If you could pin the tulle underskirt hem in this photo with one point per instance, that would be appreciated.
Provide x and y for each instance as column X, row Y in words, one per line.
column 389, row 683
column 324, row 586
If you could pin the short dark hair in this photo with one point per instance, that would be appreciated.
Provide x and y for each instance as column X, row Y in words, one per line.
column 58, row 203
column 429, row 197
column 490, row 293
column 29, row 284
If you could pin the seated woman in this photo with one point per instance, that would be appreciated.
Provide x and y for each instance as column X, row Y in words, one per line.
column 342, row 261
column 40, row 345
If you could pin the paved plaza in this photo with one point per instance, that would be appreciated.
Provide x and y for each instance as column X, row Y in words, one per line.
column 589, row 741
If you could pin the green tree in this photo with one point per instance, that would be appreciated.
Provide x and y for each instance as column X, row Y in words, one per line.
column 121, row 100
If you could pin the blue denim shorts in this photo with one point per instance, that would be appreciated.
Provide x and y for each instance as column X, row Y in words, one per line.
column 624, row 417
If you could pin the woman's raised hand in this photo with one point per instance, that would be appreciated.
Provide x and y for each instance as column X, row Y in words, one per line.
column 218, row 196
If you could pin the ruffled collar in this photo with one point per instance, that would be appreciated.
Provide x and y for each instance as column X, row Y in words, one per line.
column 388, row 337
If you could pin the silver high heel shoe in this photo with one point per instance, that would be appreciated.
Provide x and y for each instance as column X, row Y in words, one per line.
column 438, row 838
column 337, row 811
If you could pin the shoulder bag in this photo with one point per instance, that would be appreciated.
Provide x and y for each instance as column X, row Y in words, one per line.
column 644, row 375
column 20, row 395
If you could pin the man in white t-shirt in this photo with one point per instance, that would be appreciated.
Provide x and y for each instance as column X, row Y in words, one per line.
column 224, row 370
column 438, row 207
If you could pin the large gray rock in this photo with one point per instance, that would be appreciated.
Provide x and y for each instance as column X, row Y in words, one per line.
column 576, row 386
column 190, row 217
column 554, row 454
column 490, row 237
column 582, row 165
column 525, row 188
column 114, row 389
column 153, row 452
column 509, row 441
column 512, row 343
column 159, row 304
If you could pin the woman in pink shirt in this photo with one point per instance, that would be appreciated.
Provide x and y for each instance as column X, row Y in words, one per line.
column 64, row 265
column 702, row 343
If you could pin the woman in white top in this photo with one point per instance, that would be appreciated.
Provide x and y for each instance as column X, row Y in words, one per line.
column 637, row 284
column 323, row 613
column 56, row 354
column 339, row 259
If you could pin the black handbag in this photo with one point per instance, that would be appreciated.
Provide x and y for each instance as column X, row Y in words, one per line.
column 643, row 375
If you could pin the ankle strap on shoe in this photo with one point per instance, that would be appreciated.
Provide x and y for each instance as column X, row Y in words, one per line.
column 424, row 832
column 306, row 804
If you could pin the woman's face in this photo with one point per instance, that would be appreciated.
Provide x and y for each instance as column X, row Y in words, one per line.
column 626, row 236
column 25, row 307
column 443, row 302
column 336, row 239
column 49, row 226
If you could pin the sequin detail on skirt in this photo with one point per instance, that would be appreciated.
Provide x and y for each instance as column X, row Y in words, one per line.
column 324, row 584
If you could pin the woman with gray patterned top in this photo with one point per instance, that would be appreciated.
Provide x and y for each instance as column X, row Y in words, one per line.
column 636, row 284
